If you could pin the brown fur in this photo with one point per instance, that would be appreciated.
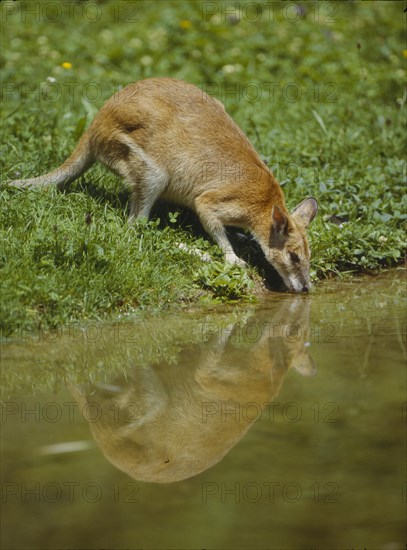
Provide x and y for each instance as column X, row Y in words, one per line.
column 169, row 139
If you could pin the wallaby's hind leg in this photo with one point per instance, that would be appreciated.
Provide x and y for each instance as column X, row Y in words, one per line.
column 146, row 189
column 147, row 180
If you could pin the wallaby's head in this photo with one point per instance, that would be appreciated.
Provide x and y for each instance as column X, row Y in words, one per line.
column 287, row 249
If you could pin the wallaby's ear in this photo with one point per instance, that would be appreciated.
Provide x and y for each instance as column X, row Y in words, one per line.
column 306, row 211
column 280, row 222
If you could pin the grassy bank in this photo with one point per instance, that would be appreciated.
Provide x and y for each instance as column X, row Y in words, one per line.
column 317, row 87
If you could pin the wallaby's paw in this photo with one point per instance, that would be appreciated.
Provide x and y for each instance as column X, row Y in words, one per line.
column 235, row 260
column 196, row 252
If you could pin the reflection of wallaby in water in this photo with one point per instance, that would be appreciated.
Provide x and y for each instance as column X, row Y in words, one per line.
column 168, row 422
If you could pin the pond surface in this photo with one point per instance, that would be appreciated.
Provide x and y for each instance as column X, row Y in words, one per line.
column 275, row 425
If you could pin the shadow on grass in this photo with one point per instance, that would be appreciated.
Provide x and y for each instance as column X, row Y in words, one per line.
column 117, row 198
column 243, row 244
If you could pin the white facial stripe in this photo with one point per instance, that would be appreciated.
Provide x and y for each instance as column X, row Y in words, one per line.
column 295, row 283
column 294, row 274
column 291, row 280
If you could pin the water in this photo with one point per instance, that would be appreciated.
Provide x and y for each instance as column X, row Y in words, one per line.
column 278, row 425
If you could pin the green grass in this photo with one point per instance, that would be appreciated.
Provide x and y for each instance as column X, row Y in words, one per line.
column 321, row 96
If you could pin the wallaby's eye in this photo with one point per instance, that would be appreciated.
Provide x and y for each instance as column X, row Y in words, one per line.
column 294, row 257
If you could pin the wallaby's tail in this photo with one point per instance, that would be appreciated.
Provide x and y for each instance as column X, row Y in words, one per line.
column 81, row 159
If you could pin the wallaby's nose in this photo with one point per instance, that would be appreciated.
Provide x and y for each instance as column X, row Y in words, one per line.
column 305, row 288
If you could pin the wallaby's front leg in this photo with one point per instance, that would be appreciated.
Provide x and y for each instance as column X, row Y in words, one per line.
column 218, row 233
column 214, row 215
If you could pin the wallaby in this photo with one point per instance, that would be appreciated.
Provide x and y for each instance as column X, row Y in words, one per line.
column 170, row 140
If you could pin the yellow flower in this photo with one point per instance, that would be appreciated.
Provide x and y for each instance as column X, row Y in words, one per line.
column 67, row 65
column 185, row 24
column 405, row 53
